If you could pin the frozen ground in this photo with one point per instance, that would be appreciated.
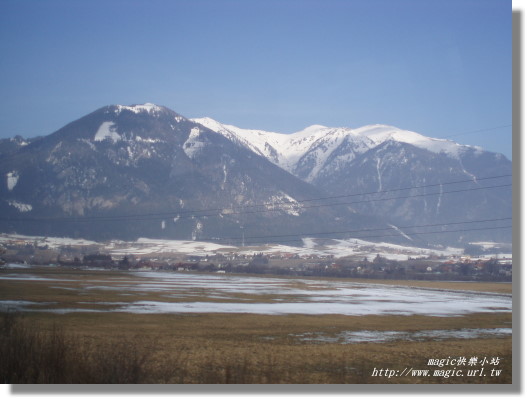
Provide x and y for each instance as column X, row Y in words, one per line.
column 205, row 293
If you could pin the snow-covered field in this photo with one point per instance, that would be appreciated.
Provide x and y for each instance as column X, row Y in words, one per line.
column 316, row 297
column 311, row 246
column 359, row 248
column 144, row 246
column 52, row 242
column 204, row 293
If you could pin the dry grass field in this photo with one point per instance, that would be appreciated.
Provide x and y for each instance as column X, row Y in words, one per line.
column 201, row 348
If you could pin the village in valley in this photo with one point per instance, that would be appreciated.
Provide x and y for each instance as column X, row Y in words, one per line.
column 475, row 262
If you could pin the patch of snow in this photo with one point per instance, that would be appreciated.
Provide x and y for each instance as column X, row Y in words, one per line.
column 474, row 178
column 439, row 198
column 309, row 243
column 224, row 177
column 347, row 337
column 15, row 266
column 20, row 206
column 16, row 305
column 489, row 244
column 21, row 143
column 379, row 174
column 194, row 144
column 401, row 232
column 150, row 246
column 147, row 140
column 12, row 180
column 27, row 277
column 52, row 242
column 147, row 107
column 107, row 131
column 285, row 203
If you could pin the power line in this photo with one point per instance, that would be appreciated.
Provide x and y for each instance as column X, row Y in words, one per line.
column 408, row 234
column 174, row 214
column 408, row 196
column 363, row 230
column 222, row 211
column 476, row 131
column 473, row 180
column 340, row 203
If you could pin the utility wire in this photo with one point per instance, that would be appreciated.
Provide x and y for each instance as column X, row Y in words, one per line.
column 174, row 214
column 182, row 213
column 221, row 211
column 476, row 131
column 360, row 230
column 408, row 234
column 406, row 196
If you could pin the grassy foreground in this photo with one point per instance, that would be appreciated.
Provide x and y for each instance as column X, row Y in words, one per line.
column 216, row 348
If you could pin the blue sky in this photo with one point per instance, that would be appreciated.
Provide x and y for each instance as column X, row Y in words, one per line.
column 441, row 68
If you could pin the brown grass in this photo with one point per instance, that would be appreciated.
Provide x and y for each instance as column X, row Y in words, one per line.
column 33, row 354
column 223, row 348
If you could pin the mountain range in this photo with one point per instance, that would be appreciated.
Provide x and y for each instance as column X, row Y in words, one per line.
column 145, row 171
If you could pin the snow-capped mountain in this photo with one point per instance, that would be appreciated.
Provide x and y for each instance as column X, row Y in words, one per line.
column 293, row 152
column 310, row 152
column 443, row 177
column 146, row 171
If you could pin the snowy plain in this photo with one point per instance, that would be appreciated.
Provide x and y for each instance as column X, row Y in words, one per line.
column 311, row 246
column 213, row 293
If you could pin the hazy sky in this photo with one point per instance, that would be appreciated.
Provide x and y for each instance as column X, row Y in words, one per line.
column 440, row 68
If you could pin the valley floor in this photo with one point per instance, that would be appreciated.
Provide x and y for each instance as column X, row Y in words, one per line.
column 94, row 343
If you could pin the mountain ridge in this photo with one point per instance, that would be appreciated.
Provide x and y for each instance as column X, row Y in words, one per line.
column 146, row 159
column 375, row 158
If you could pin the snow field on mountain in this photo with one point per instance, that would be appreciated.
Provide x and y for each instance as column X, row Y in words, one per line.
column 194, row 144
column 319, row 142
column 12, row 180
column 138, row 108
column 107, row 130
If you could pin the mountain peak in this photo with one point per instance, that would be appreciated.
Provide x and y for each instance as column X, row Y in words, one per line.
column 149, row 108
column 312, row 129
column 208, row 123
column 385, row 133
